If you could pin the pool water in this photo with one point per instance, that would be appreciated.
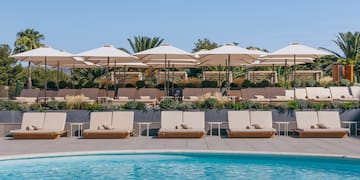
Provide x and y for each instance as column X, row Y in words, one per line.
column 180, row 166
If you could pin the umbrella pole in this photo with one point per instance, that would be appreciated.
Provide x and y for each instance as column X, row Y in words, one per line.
column 273, row 69
column 165, row 82
column 294, row 76
column 45, row 86
column 115, row 81
column 285, row 71
column 58, row 75
column 168, row 76
column 173, row 74
column 72, row 76
column 107, row 79
column 219, row 76
column 29, row 83
column 124, row 74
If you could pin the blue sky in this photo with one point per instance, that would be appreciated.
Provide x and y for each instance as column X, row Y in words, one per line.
column 80, row 25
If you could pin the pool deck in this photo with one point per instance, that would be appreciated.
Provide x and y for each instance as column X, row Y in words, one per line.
column 347, row 147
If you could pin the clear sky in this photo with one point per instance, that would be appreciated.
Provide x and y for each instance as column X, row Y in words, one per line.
column 78, row 25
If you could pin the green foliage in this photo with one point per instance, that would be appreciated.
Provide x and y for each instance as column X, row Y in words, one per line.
column 129, row 85
column 204, row 44
column 141, row 43
column 56, row 105
column 344, row 82
column 209, row 84
column 246, row 84
column 311, row 83
column 211, row 103
column 140, row 84
column 168, row 104
column 134, row 105
column 263, row 83
column 297, row 105
column 9, row 105
column 349, row 105
column 88, row 78
column 95, row 107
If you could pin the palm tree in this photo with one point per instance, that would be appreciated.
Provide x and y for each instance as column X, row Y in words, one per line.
column 204, row 44
column 349, row 44
column 27, row 40
column 88, row 77
column 141, row 43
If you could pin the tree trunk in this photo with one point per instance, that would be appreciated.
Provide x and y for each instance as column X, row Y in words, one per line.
column 29, row 82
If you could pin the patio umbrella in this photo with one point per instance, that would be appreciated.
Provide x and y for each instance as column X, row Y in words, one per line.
column 44, row 55
column 296, row 51
column 107, row 54
column 227, row 55
column 165, row 53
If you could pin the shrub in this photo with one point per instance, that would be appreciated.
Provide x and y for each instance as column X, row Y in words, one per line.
column 9, row 105
column 162, row 85
column 263, row 83
column 311, row 83
column 140, row 84
column 95, row 107
column 238, row 82
column 210, row 103
column 133, row 105
column 36, row 107
column 325, row 81
column 246, row 84
column 190, row 83
column 209, row 84
column 168, row 104
column 51, row 85
column 64, row 84
column 56, row 105
column 344, row 82
column 75, row 102
column 296, row 83
column 297, row 104
column 129, row 85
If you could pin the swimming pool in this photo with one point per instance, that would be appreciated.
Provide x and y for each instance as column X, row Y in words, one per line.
column 180, row 166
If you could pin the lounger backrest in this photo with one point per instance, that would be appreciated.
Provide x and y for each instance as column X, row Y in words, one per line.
column 355, row 91
column 49, row 93
column 289, row 93
column 306, row 119
column 68, row 92
column 252, row 92
column 262, row 118
column 100, row 118
column 300, row 93
column 338, row 92
column 272, row 92
column 123, row 120
column 195, row 120
column 55, row 121
column 29, row 93
column 33, row 118
column 127, row 92
column 170, row 119
column 192, row 92
column 92, row 93
column 236, row 93
column 238, row 119
column 315, row 92
column 212, row 91
column 152, row 92
column 330, row 119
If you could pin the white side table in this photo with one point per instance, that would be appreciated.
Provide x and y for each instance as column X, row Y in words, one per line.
column 79, row 128
column 218, row 127
column 285, row 129
column 147, row 127
column 349, row 123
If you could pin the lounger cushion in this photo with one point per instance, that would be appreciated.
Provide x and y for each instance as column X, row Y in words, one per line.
column 55, row 121
column 330, row 119
column 324, row 130
column 306, row 119
column 253, row 130
column 262, row 118
column 123, row 120
column 33, row 118
column 195, row 120
column 238, row 119
column 170, row 119
column 99, row 118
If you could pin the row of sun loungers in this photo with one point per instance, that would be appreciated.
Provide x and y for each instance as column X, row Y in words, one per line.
column 179, row 124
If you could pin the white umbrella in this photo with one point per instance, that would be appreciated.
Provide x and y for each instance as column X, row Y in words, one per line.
column 296, row 51
column 44, row 55
column 165, row 53
column 227, row 55
column 107, row 54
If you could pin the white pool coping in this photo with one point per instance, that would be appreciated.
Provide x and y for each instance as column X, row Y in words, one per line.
column 179, row 151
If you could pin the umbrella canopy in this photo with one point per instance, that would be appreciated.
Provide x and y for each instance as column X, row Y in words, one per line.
column 258, row 63
column 105, row 54
column 133, row 64
column 44, row 55
column 164, row 53
column 298, row 50
column 227, row 55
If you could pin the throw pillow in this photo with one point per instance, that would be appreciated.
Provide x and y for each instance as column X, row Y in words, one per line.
column 35, row 127
column 185, row 126
column 322, row 126
column 256, row 126
column 106, row 127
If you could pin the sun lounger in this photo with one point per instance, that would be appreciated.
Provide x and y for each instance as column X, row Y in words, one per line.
column 325, row 124
column 48, row 125
column 28, row 96
column 255, row 95
column 257, row 124
column 147, row 95
column 178, row 124
column 342, row 94
column 300, row 94
column 355, row 91
column 110, row 125
column 318, row 94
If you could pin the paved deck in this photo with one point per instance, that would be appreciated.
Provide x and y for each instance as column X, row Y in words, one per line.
column 340, row 147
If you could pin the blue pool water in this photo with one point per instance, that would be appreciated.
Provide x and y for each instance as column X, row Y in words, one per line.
column 180, row 166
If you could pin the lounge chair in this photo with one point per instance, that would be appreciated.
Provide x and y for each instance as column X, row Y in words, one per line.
column 255, row 95
column 300, row 94
column 355, row 91
column 110, row 125
column 147, row 95
column 254, row 124
column 48, row 125
column 342, row 94
column 322, row 124
column 178, row 124
column 318, row 94
column 191, row 94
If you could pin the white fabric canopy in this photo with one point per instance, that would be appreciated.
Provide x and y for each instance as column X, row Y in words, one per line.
column 105, row 54
column 298, row 50
column 38, row 56
column 163, row 53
